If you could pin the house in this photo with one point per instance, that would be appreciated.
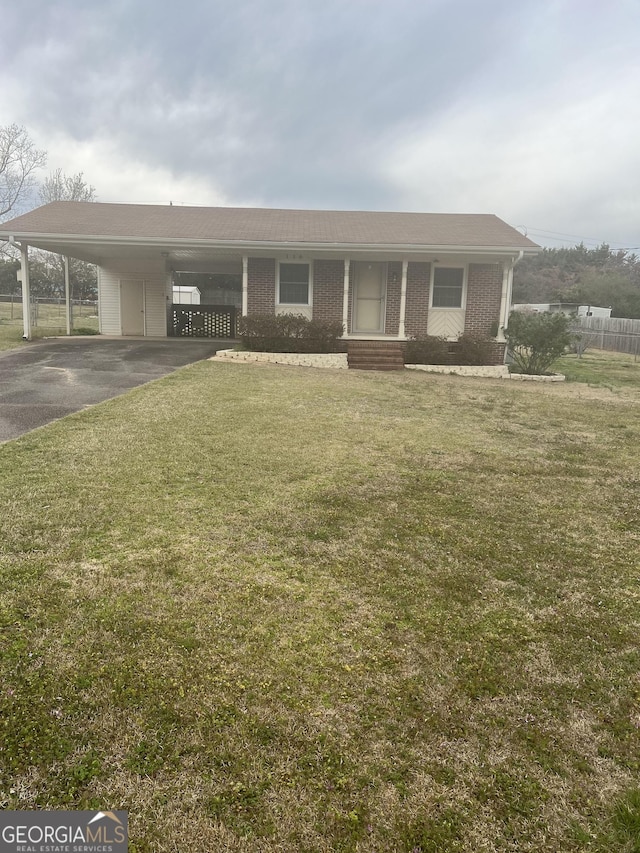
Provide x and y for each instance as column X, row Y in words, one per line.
column 385, row 276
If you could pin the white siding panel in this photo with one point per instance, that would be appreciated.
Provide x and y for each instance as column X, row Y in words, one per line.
column 109, row 302
column 155, row 306
column 157, row 295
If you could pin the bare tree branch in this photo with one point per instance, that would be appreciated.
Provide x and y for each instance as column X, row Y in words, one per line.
column 61, row 187
column 19, row 159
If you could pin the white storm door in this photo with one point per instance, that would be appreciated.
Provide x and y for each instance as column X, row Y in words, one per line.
column 132, row 307
column 370, row 298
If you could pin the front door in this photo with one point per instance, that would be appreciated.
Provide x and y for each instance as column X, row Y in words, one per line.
column 369, row 298
column 132, row 307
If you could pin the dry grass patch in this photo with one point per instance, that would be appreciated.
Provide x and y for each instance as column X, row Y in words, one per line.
column 284, row 609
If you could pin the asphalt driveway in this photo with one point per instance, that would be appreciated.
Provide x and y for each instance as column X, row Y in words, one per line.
column 46, row 380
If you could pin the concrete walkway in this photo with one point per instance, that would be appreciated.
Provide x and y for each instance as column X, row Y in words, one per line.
column 48, row 379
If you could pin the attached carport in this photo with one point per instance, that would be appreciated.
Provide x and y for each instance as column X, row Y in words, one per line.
column 50, row 379
column 138, row 250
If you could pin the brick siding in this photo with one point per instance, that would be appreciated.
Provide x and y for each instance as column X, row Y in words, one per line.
column 497, row 353
column 394, row 288
column 261, row 296
column 417, row 306
column 484, row 291
column 328, row 290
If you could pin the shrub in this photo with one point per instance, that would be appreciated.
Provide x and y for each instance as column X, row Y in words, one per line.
column 468, row 349
column 473, row 350
column 535, row 341
column 428, row 350
column 288, row 333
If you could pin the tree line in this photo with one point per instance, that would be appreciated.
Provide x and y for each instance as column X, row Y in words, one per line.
column 600, row 276
column 20, row 191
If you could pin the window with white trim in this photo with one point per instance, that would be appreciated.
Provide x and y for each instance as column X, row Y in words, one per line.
column 448, row 287
column 294, row 284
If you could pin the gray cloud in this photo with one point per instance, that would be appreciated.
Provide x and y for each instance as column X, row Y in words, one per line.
column 345, row 103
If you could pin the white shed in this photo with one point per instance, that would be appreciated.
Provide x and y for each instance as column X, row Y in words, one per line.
column 593, row 311
column 184, row 295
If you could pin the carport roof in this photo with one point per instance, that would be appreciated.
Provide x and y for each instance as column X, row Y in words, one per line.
column 75, row 222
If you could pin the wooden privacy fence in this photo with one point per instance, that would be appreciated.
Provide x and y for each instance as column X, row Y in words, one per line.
column 617, row 334
column 203, row 321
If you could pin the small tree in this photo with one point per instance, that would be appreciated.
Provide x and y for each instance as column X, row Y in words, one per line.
column 535, row 341
column 582, row 339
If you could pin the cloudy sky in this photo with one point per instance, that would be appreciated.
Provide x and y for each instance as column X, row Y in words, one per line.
column 529, row 109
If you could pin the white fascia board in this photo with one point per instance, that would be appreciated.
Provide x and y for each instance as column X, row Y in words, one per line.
column 262, row 245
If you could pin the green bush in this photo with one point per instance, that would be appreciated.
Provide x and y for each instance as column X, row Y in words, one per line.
column 428, row 350
column 288, row 333
column 473, row 350
column 468, row 350
column 535, row 341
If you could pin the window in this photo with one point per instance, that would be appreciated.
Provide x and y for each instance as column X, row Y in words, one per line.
column 294, row 284
column 447, row 287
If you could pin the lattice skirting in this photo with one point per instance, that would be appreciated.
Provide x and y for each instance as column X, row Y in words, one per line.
column 203, row 321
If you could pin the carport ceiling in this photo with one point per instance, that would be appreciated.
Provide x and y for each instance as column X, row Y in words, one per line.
column 176, row 257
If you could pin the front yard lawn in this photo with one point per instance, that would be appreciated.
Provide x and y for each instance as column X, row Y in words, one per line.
column 284, row 609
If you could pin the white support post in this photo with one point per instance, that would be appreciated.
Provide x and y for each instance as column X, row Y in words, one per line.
column 245, row 285
column 510, row 292
column 26, row 291
column 507, row 269
column 403, row 298
column 507, row 291
column 67, row 293
column 345, row 298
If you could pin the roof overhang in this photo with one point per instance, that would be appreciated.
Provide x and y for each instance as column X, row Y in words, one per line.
column 99, row 249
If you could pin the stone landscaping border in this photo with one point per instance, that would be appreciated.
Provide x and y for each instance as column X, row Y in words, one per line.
column 493, row 371
column 335, row 360
column 525, row 377
column 338, row 361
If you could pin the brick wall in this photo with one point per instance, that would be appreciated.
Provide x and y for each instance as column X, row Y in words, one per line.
column 497, row 353
column 484, row 289
column 483, row 295
column 328, row 290
column 261, row 296
column 417, row 306
column 394, row 287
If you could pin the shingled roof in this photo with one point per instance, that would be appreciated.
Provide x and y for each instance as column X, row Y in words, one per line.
column 68, row 219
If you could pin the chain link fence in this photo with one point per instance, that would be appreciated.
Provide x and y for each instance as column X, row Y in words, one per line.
column 49, row 313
